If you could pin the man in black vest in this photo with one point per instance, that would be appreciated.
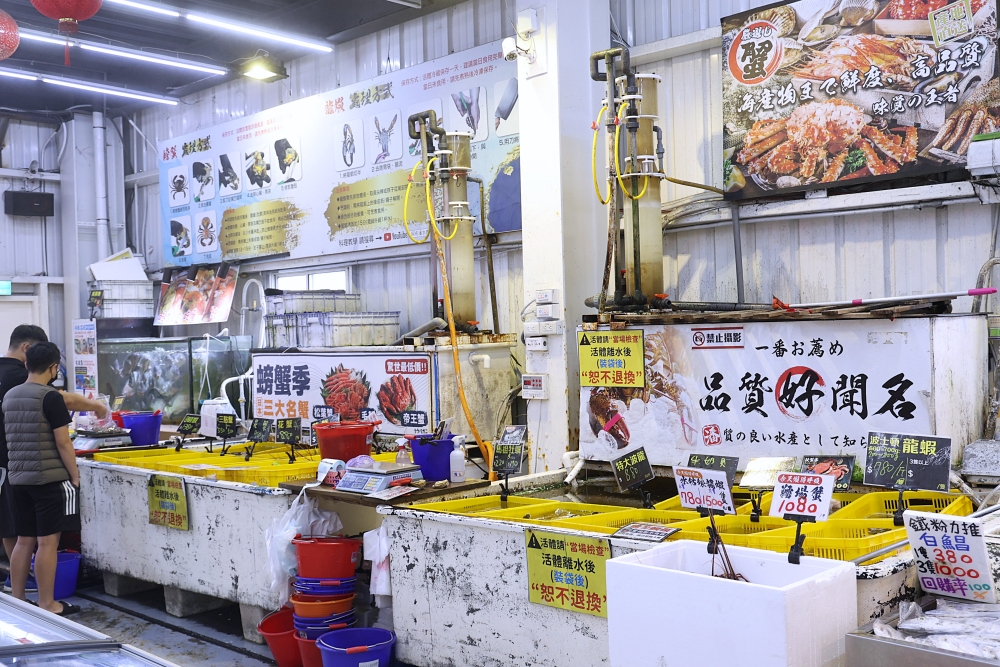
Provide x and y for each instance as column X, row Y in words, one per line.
column 43, row 475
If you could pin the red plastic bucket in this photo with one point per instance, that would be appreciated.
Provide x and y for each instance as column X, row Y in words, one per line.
column 309, row 652
column 278, row 630
column 327, row 557
column 345, row 440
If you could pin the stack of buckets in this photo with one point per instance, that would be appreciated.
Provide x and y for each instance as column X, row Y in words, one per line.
column 319, row 629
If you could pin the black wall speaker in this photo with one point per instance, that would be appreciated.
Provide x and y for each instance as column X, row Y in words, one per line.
column 31, row 204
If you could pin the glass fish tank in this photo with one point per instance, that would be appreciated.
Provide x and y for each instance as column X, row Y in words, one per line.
column 173, row 375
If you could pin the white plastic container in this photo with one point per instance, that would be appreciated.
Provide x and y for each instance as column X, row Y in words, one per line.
column 665, row 608
column 127, row 290
column 127, row 308
column 456, row 461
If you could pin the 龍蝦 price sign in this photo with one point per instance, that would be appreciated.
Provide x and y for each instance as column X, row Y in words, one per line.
column 567, row 571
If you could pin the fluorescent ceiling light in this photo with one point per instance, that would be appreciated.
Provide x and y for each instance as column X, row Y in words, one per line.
column 416, row 4
column 135, row 55
column 264, row 69
column 157, row 9
column 18, row 75
column 34, row 37
column 109, row 90
column 247, row 30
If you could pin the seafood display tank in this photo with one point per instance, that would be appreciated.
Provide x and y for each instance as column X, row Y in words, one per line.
column 173, row 375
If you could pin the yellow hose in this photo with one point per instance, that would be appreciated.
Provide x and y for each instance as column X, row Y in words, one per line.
column 593, row 158
column 406, row 206
column 430, row 205
column 618, row 129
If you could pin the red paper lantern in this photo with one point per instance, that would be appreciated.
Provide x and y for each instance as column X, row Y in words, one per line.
column 9, row 35
column 67, row 12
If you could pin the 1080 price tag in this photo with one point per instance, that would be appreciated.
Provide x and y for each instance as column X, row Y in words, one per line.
column 803, row 494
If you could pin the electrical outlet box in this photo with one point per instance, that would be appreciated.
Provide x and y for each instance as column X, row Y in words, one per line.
column 535, row 387
column 550, row 311
column 533, row 328
column 551, row 327
column 546, row 296
column 538, row 344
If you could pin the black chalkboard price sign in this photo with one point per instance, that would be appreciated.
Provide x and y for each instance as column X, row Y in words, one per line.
column 509, row 450
column 911, row 462
column 714, row 462
column 289, row 430
column 96, row 298
column 260, row 430
column 632, row 469
column 225, row 426
column 189, row 424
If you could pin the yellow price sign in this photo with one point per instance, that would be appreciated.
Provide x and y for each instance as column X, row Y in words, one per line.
column 611, row 358
column 168, row 502
column 567, row 571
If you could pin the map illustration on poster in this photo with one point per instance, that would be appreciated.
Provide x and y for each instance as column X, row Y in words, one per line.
column 817, row 93
column 327, row 174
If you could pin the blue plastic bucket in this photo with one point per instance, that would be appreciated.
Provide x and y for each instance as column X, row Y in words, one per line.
column 143, row 429
column 67, row 573
column 325, row 586
column 433, row 457
column 356, row 646
column 315, row 633
column 305, row 622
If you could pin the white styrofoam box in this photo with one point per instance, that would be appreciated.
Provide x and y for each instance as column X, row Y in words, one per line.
column 127, row 308
column 666, row 608
column 128, row 290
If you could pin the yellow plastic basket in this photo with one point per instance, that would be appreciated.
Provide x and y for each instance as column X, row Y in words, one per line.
column 882, row 505
column 734, row 529
column 608, row 522
column 844, row 539
column 549, row 513
column 476, row 506
column 272, row 475
column 128, row 456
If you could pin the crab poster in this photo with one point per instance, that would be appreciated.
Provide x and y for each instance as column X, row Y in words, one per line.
column 328, row 174
column 394, row 388
column 765, row 389
column 822, row 93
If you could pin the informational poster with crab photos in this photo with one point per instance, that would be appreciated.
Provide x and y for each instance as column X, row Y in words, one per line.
column 819, row 94
column 327, row 174
column 394, row 388
column 85, row 357
column 788, row 389
column 951, row 556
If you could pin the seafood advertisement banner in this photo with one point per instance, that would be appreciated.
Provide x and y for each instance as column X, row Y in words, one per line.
column 787, row 389
column 199, row 295
column 85, row 357
column 395, row 388
column 327, row 174
column 823, row 92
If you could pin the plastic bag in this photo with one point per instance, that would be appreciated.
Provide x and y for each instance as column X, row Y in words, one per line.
column 303, row 518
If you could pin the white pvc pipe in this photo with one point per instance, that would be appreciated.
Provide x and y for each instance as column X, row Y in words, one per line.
column 101, row 188
column 574, row 472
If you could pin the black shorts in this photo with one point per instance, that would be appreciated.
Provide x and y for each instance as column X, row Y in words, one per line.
column 47, row 509
column 7, row 509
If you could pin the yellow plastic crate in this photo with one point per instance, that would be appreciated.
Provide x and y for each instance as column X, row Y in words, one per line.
column 549, row 513
column 608, row 522
column 125, row 457
column 735, row 529
column 477, row 506
column 273, row 475
column 882, row 505
column 844, row 539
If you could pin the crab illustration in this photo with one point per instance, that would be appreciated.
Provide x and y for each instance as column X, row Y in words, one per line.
column 383, row 136
column 178, row 186
column 206, row 232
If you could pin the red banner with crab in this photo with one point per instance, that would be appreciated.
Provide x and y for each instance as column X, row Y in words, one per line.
column 824, row 92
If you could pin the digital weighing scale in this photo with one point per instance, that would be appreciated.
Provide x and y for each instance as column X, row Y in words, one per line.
column 91, row 440
column 373, row 480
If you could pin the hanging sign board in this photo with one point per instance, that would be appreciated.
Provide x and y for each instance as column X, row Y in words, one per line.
column 632, row 470
column 951, row 556
column 704, row 489
column 168, row 502
column 189, row 424
column 508, row 451
column 914, row 462
column 95, row 299
column 289, row 431
column 260, row 430
column 802, row 495
column 841, row 467
column 711, row 462
column 327, row 174
column 225, row 426
column 567, row 571
column 819, row 94
column 611, row 358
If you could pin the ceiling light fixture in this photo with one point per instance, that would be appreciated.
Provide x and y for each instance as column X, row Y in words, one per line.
column 263, row 68
column 416, row 4
column 157, row 9
column 18, row 75
column 108, row 90
column 159, row 60
column 247, row 30
column 37, row 37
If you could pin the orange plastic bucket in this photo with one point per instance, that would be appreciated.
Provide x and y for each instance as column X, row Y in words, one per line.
column 327, row 557
column 321, row 607
column 309, row 652
column 278, row 630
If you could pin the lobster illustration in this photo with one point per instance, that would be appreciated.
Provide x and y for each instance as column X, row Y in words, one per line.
column 604, row 416
column 383, row 136
column 347, row 148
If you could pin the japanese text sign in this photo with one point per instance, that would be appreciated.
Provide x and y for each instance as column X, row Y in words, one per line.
column 189, row 424
column 168, row 502
column 611, row 358
column 289, row 431
column 712, row 462
column 645, row 532
column 803, row 495
column 225, row 426
column 951, row 555
column 509, row 450
column 117, row 404
column 762, row 472
column 567, row 571
column 632, row 469
column 913, row 462
column 260, row 430
column 708, row 489
column 96, row 298
column 877, row 91
column 841, row 467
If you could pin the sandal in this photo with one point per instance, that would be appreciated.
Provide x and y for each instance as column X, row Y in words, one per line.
column 68, row 609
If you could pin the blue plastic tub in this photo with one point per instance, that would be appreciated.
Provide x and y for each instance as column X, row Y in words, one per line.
column 325, row 586
column 354, row 647
column 315, row 633
column 304, row 622
column 67, row 573
column 143, row 429
column 433, row 457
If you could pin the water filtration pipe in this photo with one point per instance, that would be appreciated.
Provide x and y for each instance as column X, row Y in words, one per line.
column 101, row 187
